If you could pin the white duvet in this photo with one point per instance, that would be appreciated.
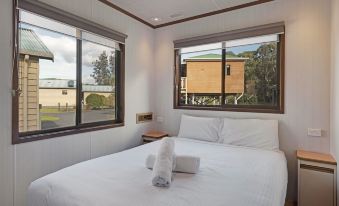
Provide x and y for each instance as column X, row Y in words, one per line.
column 228, row 175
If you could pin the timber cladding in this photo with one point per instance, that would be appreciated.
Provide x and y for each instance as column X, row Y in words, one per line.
column 28, row 100
column 204, row 77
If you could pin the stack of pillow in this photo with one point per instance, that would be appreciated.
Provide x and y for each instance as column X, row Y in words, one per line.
column 257, row 133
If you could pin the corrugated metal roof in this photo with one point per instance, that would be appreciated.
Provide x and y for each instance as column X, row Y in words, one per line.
column 31, row 44
column 70, row 84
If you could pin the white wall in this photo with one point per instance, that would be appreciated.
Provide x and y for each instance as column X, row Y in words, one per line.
column 20, row 164
column 335, row 83
column 307, row 87
column 307, row 98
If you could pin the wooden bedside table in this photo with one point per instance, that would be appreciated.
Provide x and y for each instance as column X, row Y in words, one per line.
column 317, row 174
column 153, row 136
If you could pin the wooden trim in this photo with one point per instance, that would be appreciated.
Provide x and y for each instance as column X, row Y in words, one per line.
column 15, row 77
column 317, row 168
column 281, row 57
column 316, row 157
column 279, row 109
column 239, row 108
column 78, row 127
column 62, row 16
column 233, row 8
column 155, row 134
column 241, row 6
column 36, row 137
column 114, row 6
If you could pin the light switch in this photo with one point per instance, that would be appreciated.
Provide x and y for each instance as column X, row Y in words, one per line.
column 314, row 132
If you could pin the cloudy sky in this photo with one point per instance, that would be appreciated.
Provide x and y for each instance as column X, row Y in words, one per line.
column 63, row 48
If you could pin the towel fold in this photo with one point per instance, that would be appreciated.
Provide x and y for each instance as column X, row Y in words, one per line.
column 183, row 163
column 163, row 165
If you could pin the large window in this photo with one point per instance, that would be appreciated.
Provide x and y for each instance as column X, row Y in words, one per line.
column 238, row 74
column 67, row 80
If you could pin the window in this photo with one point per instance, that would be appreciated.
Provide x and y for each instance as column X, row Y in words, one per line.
column 68, row 80
column 228, row 69
column 252, row 80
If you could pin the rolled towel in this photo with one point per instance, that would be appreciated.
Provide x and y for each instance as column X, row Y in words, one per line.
column 183, row 163
column 163, row 165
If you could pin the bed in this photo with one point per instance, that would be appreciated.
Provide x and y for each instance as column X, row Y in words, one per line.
column 228, row 175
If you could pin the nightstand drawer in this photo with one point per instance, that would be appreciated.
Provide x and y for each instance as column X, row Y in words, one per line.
column 317, row 175
column 316, row 186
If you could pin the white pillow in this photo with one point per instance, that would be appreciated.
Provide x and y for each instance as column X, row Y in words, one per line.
column 199, row 128
column 256, row 133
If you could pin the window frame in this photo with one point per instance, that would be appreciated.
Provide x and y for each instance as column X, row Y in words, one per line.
column 22, row 137
column 279, row 109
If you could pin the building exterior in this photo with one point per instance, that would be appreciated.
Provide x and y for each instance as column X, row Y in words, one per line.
column 62, row 92
column 31, row 50
column 203, row 75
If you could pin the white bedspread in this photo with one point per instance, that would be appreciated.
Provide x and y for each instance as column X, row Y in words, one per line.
column 228, row 175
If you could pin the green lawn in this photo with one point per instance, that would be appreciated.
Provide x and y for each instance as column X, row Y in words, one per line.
column 49, row 118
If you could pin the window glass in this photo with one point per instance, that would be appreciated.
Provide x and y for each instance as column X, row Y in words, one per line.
column 254, row 79
column 98, row 82
column 47, row 65
column 52, row 56
column 200, row 76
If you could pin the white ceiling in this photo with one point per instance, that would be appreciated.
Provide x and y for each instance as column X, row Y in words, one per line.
column 164, row 9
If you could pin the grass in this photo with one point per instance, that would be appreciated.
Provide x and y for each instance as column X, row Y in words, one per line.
column 49, row 118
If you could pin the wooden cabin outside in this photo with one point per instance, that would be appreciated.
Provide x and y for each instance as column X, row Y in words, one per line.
column 203, row 75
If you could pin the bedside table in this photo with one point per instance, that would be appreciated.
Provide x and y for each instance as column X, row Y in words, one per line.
column 153, row 136
column 317, row 174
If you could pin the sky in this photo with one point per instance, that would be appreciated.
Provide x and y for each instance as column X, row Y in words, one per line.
column 63, row 48
column 236, row 46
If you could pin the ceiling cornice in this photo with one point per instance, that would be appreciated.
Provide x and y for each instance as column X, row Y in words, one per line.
column 241, row 6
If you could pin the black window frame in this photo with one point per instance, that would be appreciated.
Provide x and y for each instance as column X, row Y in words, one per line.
column 277, row 28
column 22, row 137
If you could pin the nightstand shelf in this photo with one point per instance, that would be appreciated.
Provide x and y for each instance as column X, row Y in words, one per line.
column 316, row 179
column 153, row 136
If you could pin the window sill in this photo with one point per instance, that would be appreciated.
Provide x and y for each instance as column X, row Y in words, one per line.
column 23, row 138
column 273, row 110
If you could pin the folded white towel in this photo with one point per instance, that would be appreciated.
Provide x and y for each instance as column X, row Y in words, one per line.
column 163, row 165
column 183, row 163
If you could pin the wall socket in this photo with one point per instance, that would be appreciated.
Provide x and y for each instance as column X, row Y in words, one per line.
column 314, row 132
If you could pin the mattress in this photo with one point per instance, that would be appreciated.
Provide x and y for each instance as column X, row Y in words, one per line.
column 228, row 175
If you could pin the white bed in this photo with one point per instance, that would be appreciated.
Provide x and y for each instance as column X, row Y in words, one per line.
column 228, row 175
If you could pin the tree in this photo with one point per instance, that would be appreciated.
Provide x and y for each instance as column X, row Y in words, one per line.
column 262, row 69
column 95, row 101
column 103, row 71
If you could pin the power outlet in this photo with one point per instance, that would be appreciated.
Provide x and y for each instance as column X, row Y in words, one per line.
column 314, row 132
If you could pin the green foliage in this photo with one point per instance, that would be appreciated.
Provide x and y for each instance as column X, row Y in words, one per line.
column 261, row 68
column 109, row 101
column 230, row 99
column 104, row 69
column 95, row 101
column 248, row 99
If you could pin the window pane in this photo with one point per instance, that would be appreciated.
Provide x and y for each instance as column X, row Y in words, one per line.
column 98, row 82
column 47, row 68
column 253, row 75
column 200, row 76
